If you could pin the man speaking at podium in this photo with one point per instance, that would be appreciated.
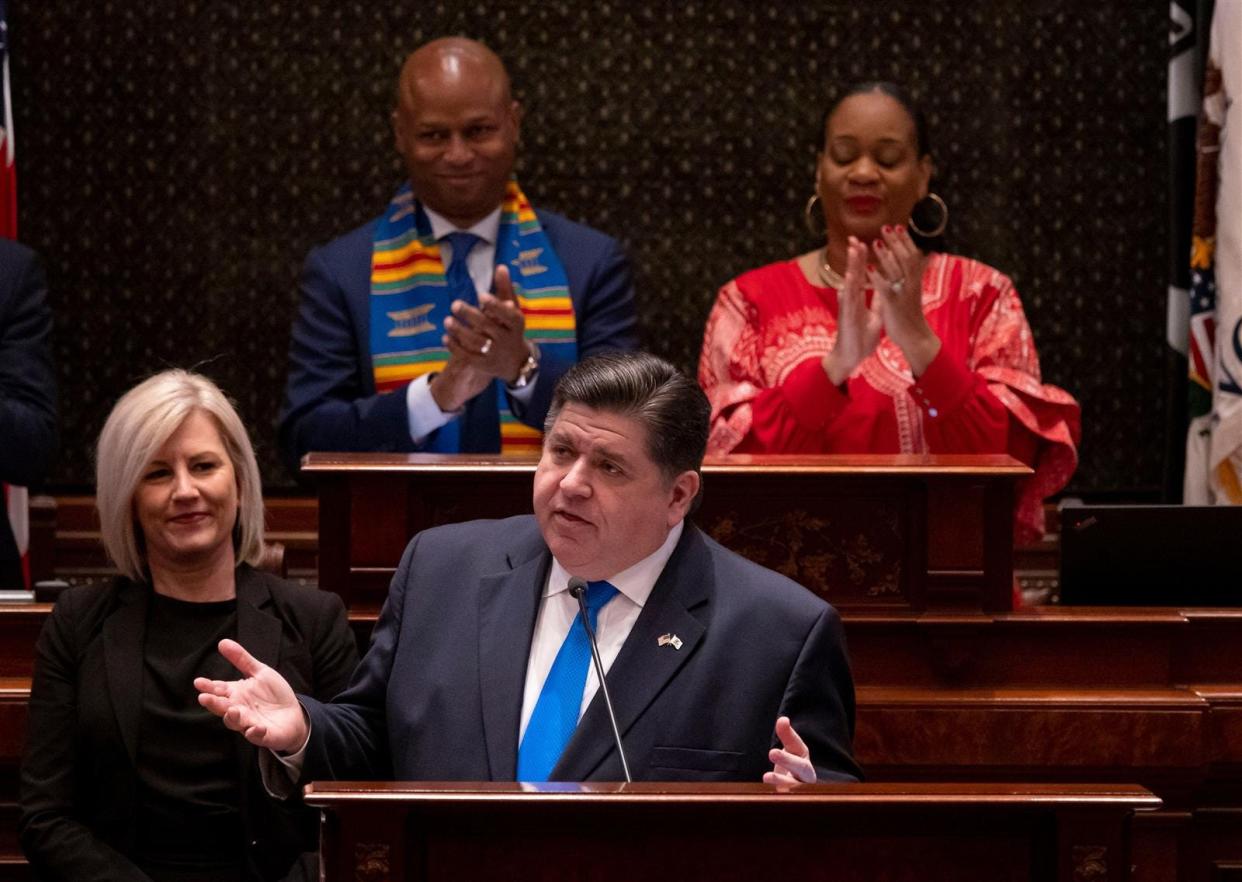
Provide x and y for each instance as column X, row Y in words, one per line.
column 480, row 665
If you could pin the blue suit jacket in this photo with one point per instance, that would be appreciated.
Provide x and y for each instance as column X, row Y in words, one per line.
column 439, row 694
column 330, row 399
column 27, row 386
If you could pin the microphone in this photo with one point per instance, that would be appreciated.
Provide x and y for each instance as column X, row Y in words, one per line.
column 578, row 587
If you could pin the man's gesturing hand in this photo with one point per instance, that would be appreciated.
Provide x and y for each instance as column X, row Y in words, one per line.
column 792, row 764
column 261, row 706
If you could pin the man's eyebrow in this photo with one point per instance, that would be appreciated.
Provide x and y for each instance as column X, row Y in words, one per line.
column 605, row 451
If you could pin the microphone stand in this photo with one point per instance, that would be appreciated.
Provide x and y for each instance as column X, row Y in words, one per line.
column 578, row 589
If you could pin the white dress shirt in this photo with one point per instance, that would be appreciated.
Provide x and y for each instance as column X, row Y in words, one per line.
column 424, row 414
column 558, row 609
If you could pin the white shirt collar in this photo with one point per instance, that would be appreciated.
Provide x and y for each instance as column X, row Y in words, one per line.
column 635, row 582
column 487, row 229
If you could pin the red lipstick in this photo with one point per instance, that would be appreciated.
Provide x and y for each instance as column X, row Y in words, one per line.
column 863, row 204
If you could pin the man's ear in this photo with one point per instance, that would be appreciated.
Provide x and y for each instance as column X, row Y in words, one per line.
column 684, row 489
column 398, row 132
column 515, row 118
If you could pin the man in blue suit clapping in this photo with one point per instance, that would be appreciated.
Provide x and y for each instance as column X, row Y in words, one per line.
column 444, row 324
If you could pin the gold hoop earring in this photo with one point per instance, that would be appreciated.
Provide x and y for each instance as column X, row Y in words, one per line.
column 944, row 218
column 809, row 218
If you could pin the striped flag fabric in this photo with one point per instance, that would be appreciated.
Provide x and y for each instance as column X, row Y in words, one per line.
column 16, row 500
column 8, row 152
column 1214, row 440
column 1188, row 37
column 1185, row 77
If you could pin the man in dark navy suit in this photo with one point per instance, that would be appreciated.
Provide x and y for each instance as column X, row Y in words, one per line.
column 444, row 324
column 27, row 387
column 719, row 669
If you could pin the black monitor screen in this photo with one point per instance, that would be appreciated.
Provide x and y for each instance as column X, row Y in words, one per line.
column 1151, row 555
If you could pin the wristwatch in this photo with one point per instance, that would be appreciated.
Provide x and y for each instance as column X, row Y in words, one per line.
column 527, row 371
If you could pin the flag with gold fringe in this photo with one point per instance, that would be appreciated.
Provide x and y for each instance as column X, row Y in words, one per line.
column 1214, row 440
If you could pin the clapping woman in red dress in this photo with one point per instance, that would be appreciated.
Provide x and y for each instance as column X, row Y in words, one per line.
column 876, row 342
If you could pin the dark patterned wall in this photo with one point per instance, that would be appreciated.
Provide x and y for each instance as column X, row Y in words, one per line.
column 177, row 158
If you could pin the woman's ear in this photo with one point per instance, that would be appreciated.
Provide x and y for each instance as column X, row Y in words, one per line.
column 926, row 170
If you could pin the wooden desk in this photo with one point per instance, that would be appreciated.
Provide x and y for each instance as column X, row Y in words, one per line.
column 1148, row 696
column 889, row 533
column 931, row 832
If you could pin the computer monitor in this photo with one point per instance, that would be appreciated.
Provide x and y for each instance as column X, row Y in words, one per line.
column 1151, row 555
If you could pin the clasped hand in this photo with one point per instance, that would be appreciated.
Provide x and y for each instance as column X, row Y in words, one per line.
column 484, row 342
column 895, row 309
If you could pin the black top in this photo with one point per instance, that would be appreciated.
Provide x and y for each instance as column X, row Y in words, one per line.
column 188, row 819
column 80, row 778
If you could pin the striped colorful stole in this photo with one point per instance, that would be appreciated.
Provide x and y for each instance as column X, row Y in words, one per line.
column 410, row 300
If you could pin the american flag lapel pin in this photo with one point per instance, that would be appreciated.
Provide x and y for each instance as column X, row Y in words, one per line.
column 669, row 640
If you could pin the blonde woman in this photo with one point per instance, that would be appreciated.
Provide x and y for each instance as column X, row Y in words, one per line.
column 125, row 776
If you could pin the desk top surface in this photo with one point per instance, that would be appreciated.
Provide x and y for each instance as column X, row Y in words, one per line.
column 997, row 465
column 956, row 794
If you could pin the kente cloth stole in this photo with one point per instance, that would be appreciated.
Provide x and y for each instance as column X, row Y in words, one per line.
column 410, row 300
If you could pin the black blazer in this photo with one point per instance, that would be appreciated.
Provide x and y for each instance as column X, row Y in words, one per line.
column 78, row 781
column 27, row 387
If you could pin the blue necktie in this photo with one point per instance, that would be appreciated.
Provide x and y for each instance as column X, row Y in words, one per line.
column 449, row 437
column 460, row 285
column 555, row 717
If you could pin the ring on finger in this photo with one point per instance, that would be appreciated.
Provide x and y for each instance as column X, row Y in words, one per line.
column 486, row 347
column 897, row 286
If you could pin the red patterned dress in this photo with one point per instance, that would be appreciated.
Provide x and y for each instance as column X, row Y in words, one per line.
column 770, row 328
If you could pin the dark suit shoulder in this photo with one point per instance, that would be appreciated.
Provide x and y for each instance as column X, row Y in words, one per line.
column 14, row 254
column 348, row 245
column 294, row 601
column 745, row 581
column 84, row 607
column 563, row 231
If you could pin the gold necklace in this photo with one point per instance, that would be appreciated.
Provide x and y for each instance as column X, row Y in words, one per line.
column 827, row 274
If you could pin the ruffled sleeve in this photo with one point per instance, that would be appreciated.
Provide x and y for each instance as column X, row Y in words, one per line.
column 1045, row 421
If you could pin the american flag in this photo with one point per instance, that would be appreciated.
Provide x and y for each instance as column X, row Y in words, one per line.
column 14, row 498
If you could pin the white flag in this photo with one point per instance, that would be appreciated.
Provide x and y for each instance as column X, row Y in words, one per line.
column 16, row 500
column 1214, row 450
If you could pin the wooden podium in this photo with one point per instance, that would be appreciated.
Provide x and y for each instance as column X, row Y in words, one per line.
column 868, row 533
column 625, row 832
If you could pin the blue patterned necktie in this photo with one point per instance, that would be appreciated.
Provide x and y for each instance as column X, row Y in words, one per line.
column 457, row 276
column 555, row 717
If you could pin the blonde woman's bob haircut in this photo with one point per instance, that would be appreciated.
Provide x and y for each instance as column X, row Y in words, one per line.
column 142, row 421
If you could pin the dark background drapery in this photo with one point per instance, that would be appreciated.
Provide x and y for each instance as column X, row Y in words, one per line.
column 176, row 160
